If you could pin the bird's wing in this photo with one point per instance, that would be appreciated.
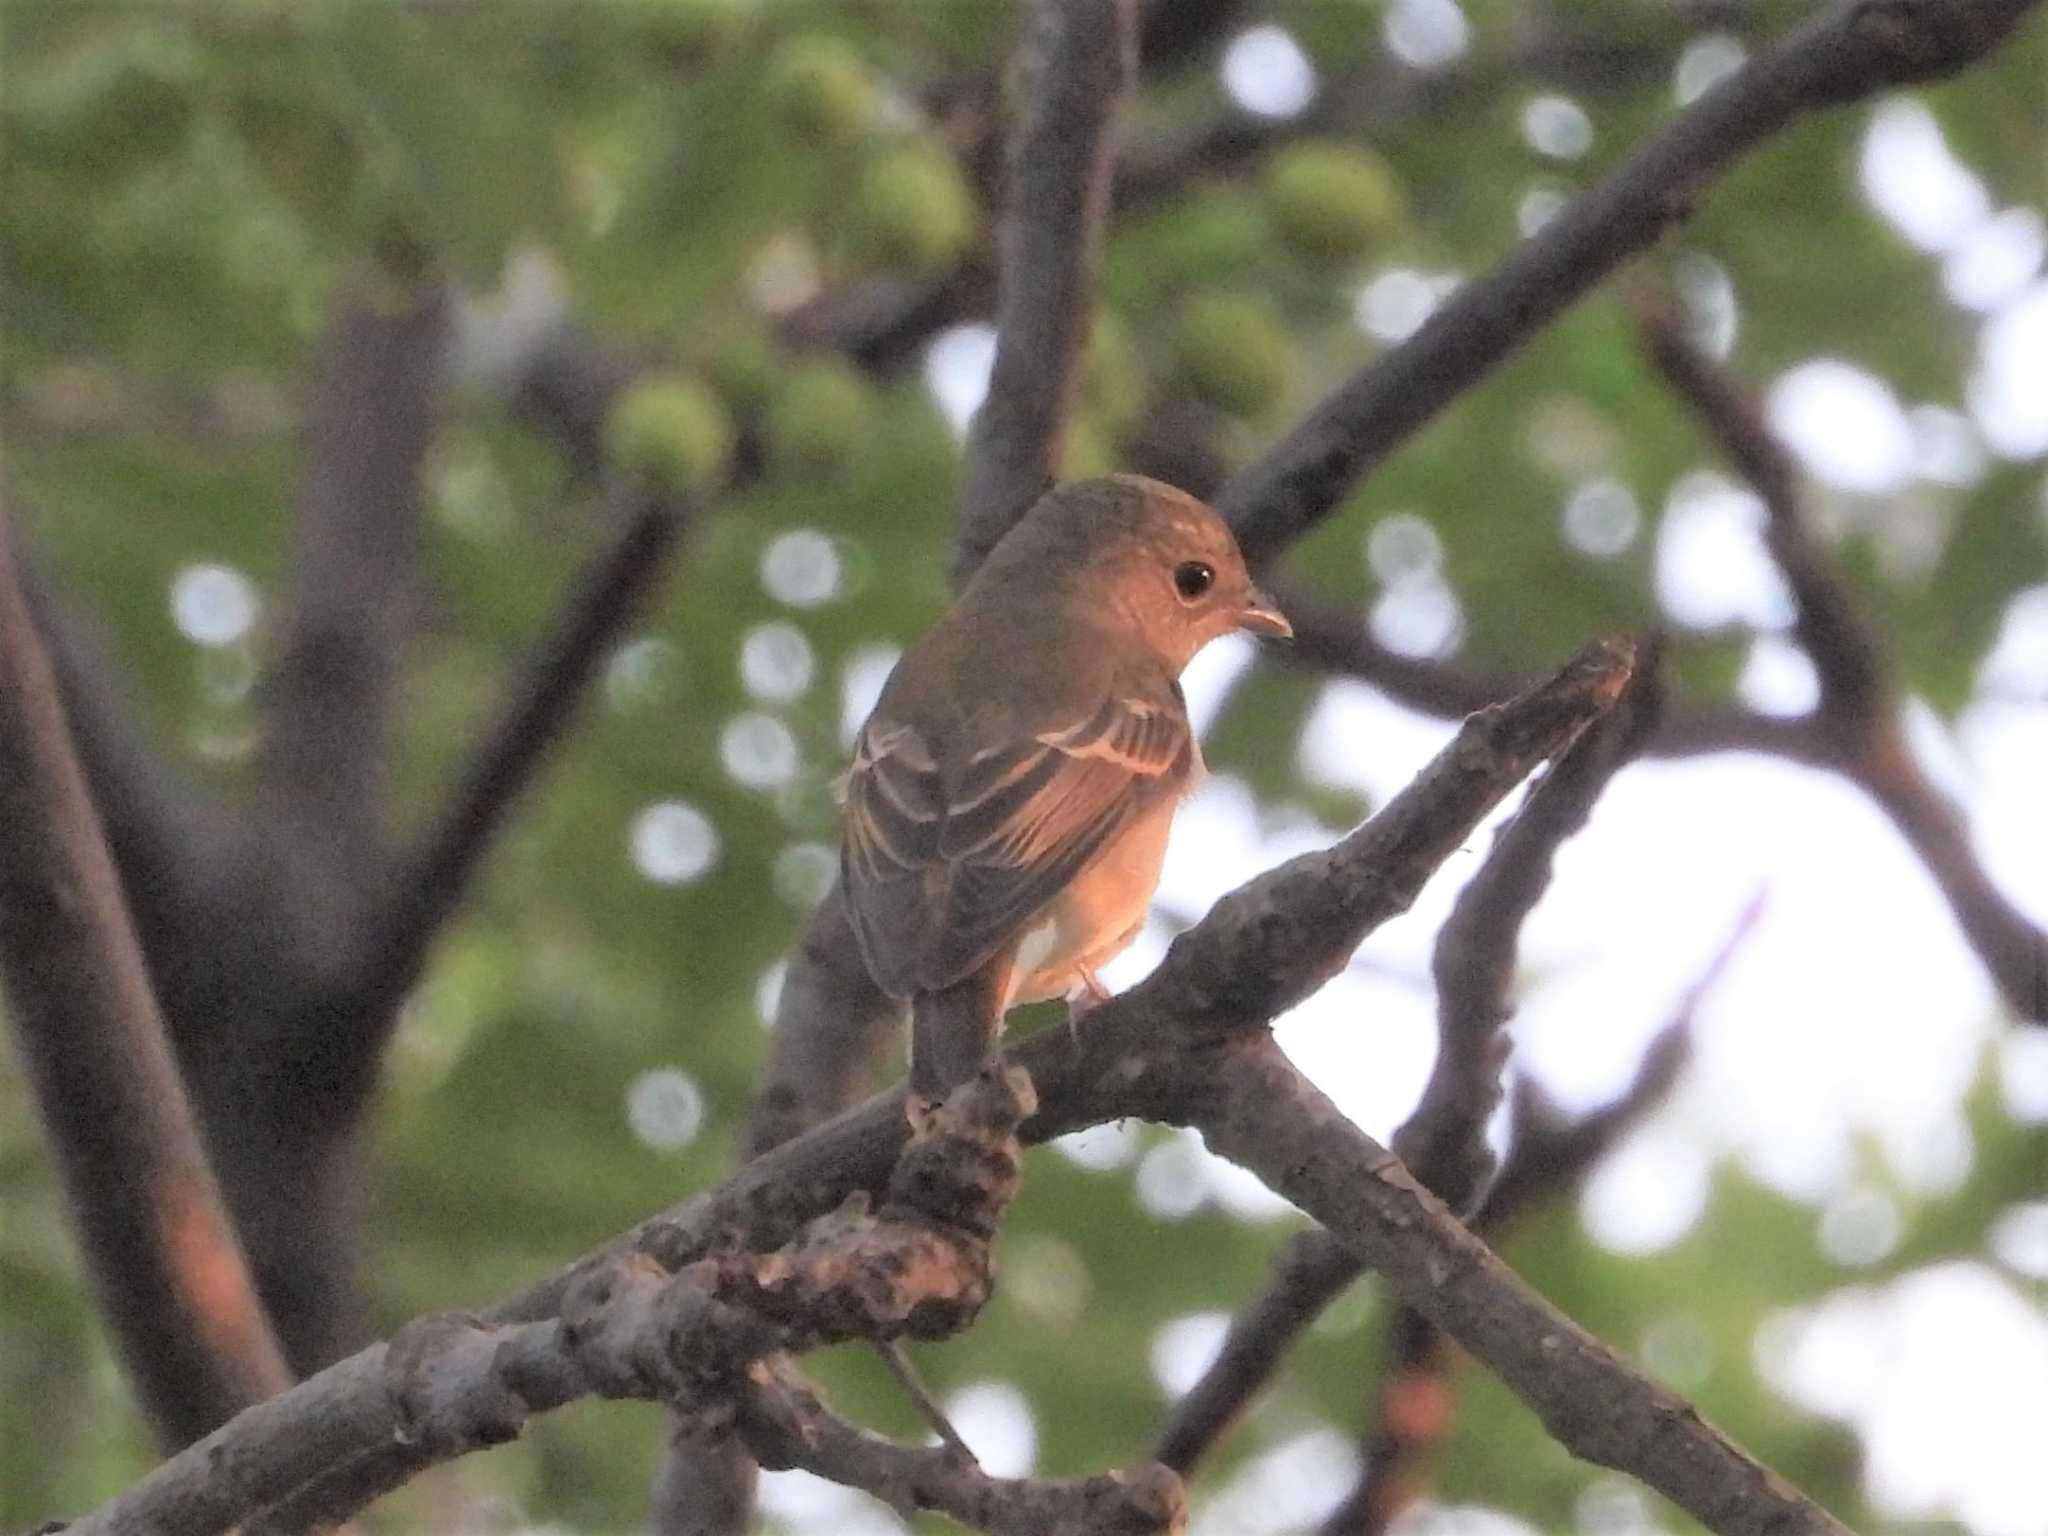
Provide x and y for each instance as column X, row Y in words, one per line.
column 942, row 868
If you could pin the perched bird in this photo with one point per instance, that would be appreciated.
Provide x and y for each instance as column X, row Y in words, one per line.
column 1007, row 806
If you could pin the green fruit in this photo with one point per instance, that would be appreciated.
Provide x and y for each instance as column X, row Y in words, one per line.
column 1232, row 351
column 912, row 209
column 1206, row 239
column 670, row 430
column 743, row 364
column 1332, row 204
column 822, row 414
column 820, row 88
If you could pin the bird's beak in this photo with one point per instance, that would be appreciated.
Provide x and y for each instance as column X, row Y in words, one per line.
column 1262, row 616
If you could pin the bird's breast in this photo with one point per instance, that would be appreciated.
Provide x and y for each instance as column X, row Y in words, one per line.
column 1097, row 915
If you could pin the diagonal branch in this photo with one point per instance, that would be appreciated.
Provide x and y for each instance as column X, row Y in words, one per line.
column 1443, row 1141
column 1081, row 56
column 1333, row 639
column 539, row 705
column 1859, row 722
column 1852, row 50
column 172, row 843
column 1857, row 686
column 1263, row 1114
column 163, row 1256
column 1548, row 1154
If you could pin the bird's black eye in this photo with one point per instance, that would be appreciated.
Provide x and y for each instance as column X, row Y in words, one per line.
column 1191, row 578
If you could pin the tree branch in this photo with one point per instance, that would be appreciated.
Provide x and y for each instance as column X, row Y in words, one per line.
column 1548, row 1154
column 172, row 843
column 539, row 705
column 833, row 1029
column 1849, row 52
column 1859, row 722
column 1443, row 1140
column 1857, row 686
column 784, row 1422
column 326, row 702
column 1263, row 1114
column 1081, row 56
column 164, row 1259
column 629, row 1327
column 1333, row 639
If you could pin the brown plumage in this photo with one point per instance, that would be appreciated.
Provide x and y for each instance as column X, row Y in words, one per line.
column 1008, row 801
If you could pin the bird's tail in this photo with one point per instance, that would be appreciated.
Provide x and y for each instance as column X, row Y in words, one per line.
column 954, row 1030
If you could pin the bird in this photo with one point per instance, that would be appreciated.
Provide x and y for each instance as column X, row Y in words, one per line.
column 1006, row 810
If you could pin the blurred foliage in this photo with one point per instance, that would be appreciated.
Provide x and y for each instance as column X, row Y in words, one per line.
column 186, row 186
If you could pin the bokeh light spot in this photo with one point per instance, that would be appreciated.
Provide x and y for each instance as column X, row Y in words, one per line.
column 213, row 605
column 665, row 1108
column 674, row 843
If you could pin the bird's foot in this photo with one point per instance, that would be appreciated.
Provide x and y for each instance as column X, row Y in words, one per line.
column 1084, row 1000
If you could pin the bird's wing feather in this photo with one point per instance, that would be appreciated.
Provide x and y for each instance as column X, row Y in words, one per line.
column 943, row 867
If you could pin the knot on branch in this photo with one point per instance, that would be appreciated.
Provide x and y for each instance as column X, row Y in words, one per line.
column 960, row 1169
column 1917, row 40
column 1146, row 1498
column 855, row 1276
column 637, row 1331
column 437, row 1403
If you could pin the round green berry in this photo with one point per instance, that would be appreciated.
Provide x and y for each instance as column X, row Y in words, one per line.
column 1332, row 204
column 1232, row 351
column 671, row 430
column 912, row 209
column 820, row 88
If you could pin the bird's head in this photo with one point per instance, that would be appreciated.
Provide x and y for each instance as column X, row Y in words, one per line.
column 1145, row 554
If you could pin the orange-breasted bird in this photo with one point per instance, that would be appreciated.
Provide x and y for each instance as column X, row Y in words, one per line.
column 1008, row 803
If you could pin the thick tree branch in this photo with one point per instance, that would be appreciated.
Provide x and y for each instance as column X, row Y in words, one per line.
column 1860, row 719
column 163, row 1256
column 833, row 1029
column 326, row 702
column 629, row 1327
column 1851, row 51
column 1263, row 1114
column 1443, row 1140
column 172, row 843
column 1081, row 56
